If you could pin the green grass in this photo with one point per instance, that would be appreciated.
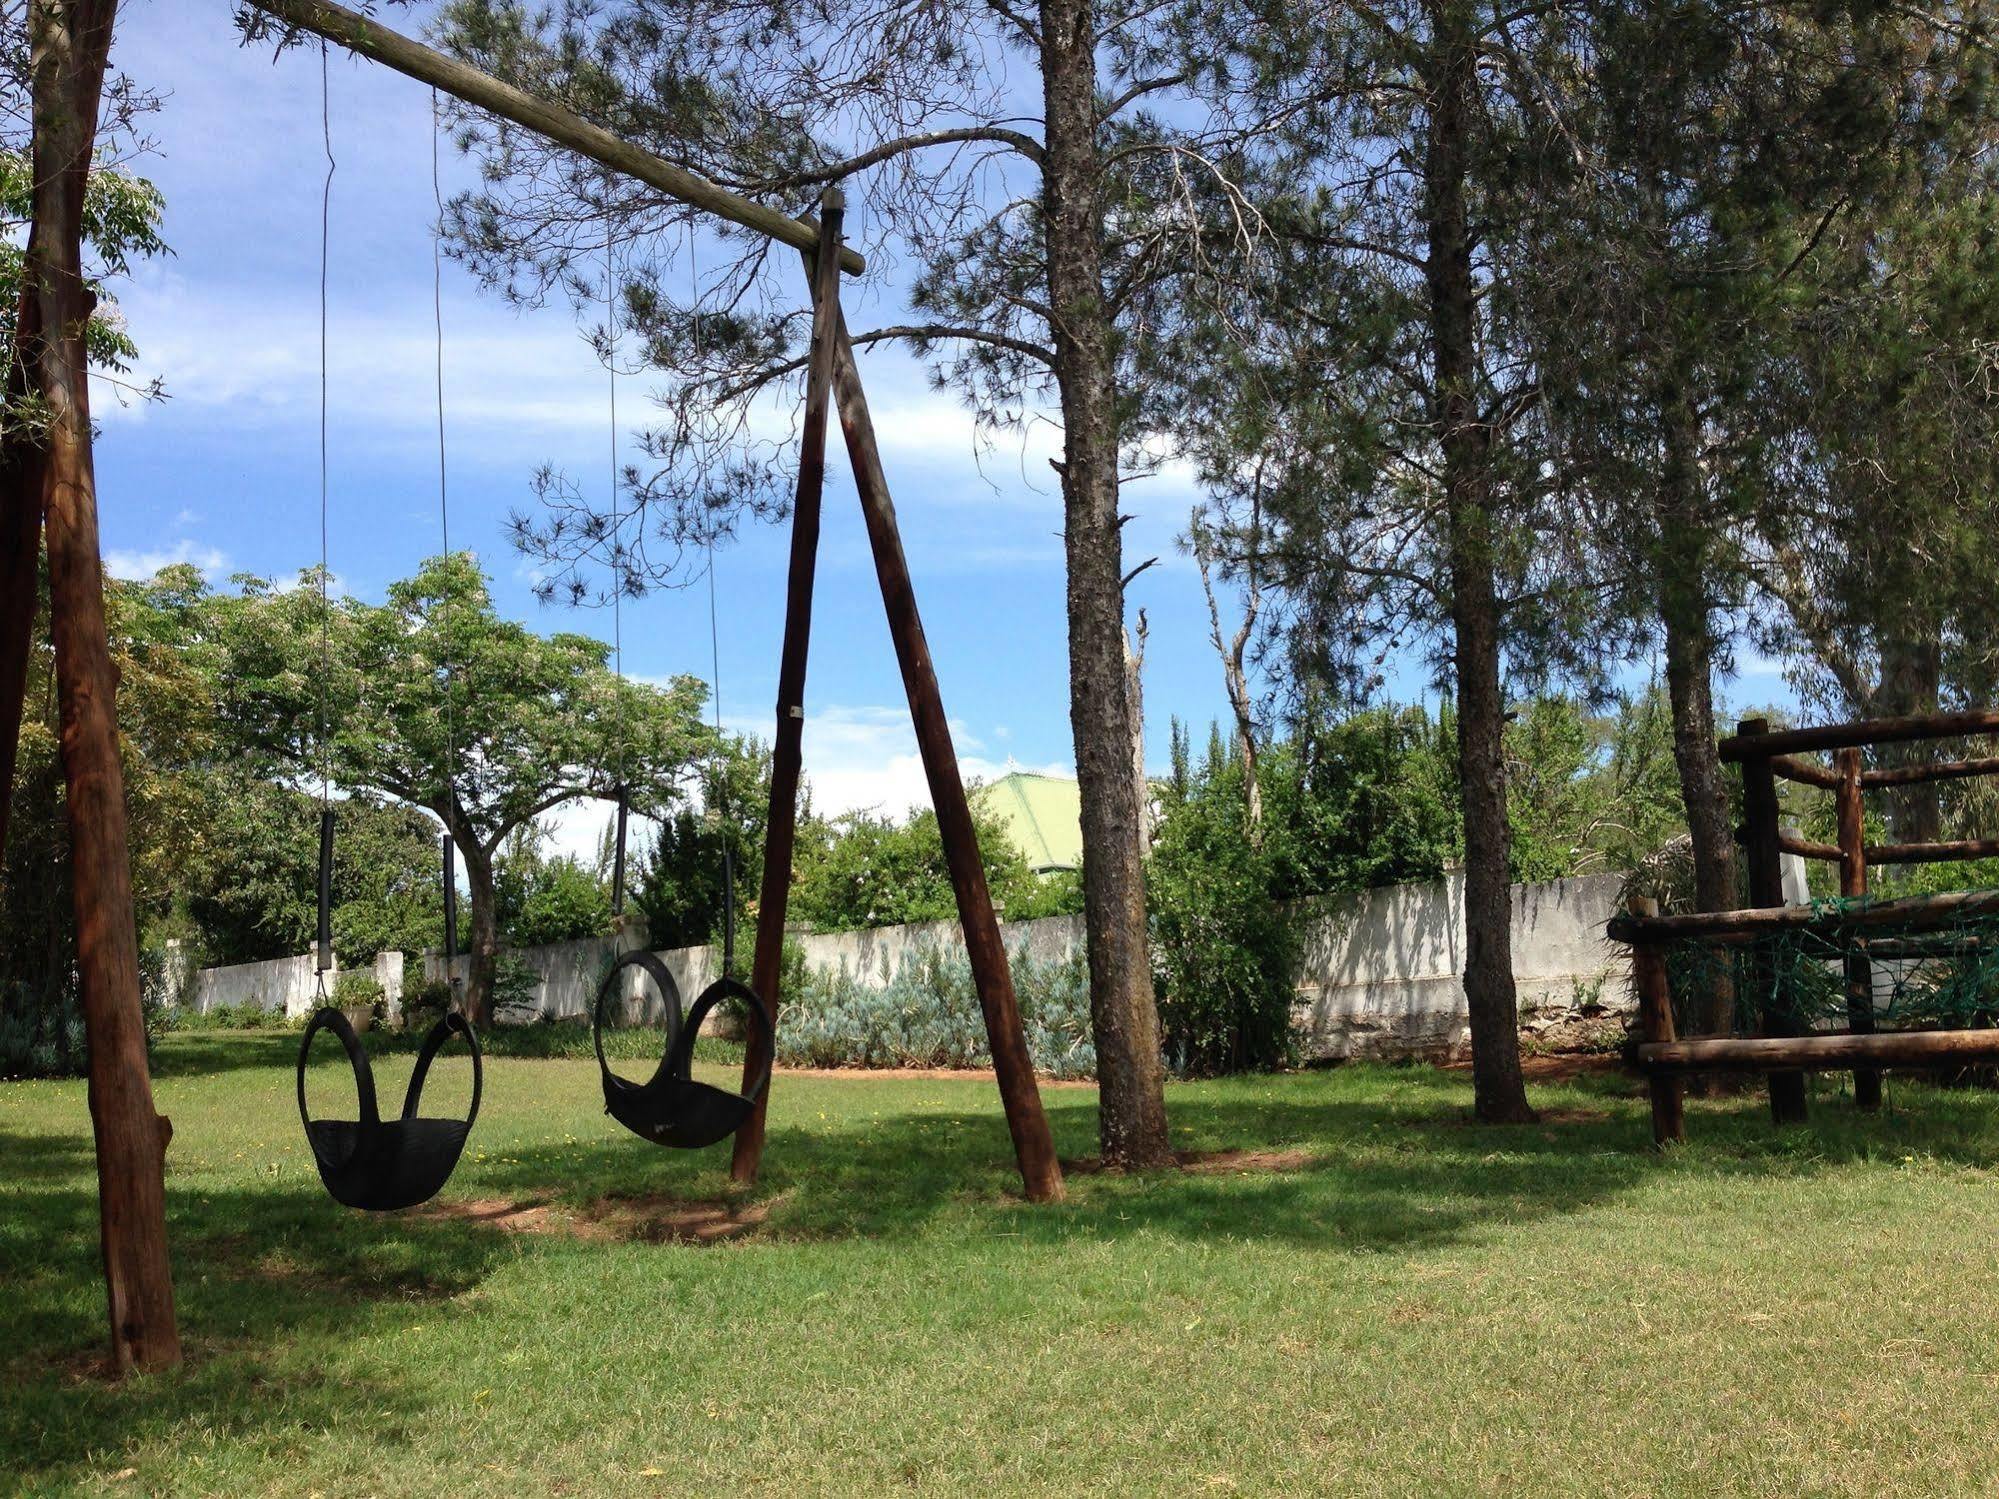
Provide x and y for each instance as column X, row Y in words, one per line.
column 1423, row 1306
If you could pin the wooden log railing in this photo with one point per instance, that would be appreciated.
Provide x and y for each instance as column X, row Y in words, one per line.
column 1755, row 740
column 1834, row 1051
column 1916, row 926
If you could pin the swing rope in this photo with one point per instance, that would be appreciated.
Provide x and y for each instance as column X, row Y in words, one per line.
column 717, row 780
column 449, row 682
column 616, row 559
column 324, row 957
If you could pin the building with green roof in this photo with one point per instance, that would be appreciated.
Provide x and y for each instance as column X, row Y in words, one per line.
column 1042, row 814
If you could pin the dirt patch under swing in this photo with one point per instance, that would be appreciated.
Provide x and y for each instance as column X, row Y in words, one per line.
column 1215, row 1162
column 642, row 1219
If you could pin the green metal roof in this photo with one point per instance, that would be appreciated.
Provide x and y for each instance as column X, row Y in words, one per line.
column 1043, row 815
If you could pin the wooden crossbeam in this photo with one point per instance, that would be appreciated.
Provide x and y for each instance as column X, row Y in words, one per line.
column 1762, row 746
column 1820, row 1052
column 369, row 38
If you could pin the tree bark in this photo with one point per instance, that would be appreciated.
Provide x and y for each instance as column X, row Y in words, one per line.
column 1499, row 1091
column 20, row 546
column 485, row 943
column 1130, row 1073
column 1689, row 640
column 70, row 41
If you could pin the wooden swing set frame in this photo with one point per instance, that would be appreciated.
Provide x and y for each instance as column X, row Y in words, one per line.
column 50, row 488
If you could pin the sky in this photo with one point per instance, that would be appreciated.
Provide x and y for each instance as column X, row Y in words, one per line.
column 224, row 473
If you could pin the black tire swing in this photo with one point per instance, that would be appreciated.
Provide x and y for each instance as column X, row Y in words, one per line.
column 671, row 1108
column 368, row 1162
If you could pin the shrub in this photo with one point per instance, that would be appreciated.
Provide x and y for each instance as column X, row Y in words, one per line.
column 1225, row 944
column 927, row 1015
column 41, row 1030
column 516, row 990
column 359, row 989
column 424, row 1003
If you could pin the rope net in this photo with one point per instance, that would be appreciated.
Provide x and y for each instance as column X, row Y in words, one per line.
column 1819, row 977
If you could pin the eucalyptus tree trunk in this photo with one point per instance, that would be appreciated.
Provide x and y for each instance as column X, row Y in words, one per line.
column 70, row 42
column 1130, row 1074
column 1500, row 1094
column 20, row 546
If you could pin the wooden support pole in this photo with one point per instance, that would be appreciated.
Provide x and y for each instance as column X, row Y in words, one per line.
column 1763, row 856
column 369, row 38
column 1791, row 768
column 1807, row 848
column 781, row 824
column 1933, row 853
column 1853, row 883
column 70, row 41
column 1034, row 1146
column 1655, row 1027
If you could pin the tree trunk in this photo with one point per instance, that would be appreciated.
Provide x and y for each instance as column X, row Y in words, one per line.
column 1911, row 672
column 1689, row 640
column 20, row 546
column 70, row 43
column 1500, row 1094
column 1130, row 1074
column 485, row 943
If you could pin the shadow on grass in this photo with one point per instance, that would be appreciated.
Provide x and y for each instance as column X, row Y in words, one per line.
column 257, row 1273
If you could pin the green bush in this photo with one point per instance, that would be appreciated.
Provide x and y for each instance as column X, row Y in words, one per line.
column 359, row 989
column 516, row 988
column 41, row 1029
column 1225, row 943
column 927, row 1015
column 424, row 1000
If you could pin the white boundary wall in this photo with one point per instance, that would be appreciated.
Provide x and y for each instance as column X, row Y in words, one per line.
column 1380, row 975
column 288, row 986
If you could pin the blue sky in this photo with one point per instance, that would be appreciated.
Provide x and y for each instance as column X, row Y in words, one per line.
column 225, row 472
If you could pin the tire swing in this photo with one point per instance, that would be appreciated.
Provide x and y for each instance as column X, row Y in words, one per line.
column 672, row 1108
column 368, row 1162
column 379, row 1164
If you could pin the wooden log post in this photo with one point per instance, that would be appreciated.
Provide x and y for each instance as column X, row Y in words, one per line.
column 1762, row 847
column 1655, row 1027
column 1033, row 1144
column 70, row 41
column 787, row 743
column 1853, row 883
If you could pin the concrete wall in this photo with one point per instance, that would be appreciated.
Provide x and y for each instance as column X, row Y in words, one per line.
column 1379, row 978
column 287, row 986
column 873, row 956
column 570, row 973
column 1381, row 972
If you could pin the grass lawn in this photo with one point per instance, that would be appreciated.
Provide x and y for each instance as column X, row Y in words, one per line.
column 1413, row 1305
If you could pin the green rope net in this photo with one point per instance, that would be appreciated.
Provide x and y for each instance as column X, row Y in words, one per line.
column 1938, row 977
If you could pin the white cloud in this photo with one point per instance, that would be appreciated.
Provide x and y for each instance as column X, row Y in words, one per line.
column 865, row 758
column 139, row 564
